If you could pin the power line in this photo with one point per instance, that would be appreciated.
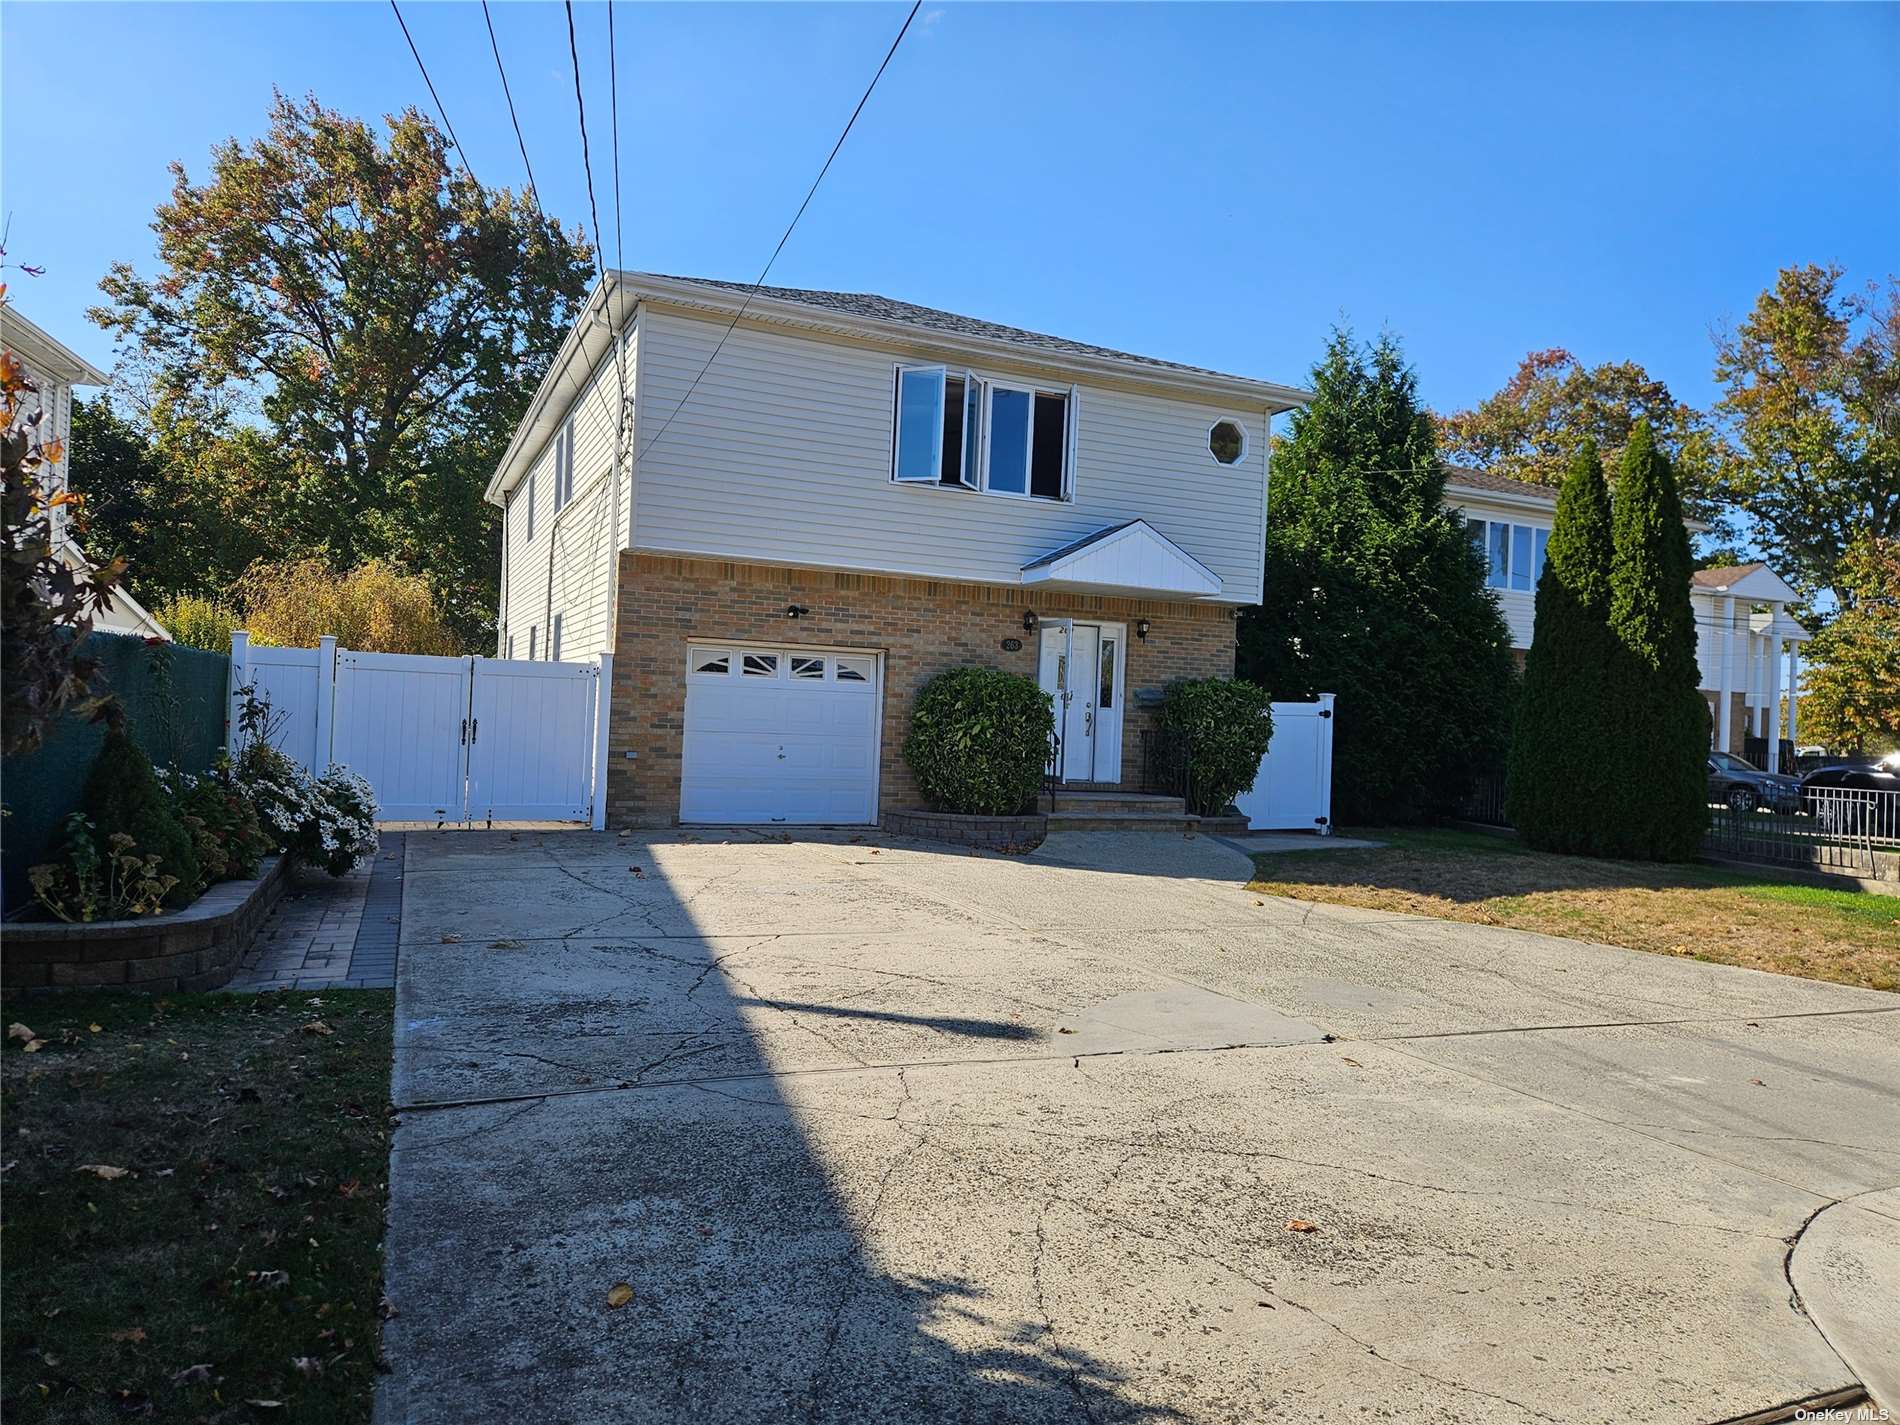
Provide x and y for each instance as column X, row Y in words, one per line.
column 440, row 110
column 534, row 193
column 786, row 235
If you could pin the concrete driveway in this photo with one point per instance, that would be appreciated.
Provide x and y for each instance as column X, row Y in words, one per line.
column 878, row 1131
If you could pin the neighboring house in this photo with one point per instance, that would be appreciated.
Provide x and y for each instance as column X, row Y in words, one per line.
column 1747, row 645
column 855, row 495
column 55, row 369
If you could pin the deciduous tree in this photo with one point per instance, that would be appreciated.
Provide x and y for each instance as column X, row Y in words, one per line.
column 379, row 309
column 1812, row 401
column 1852, row 674
column 1533, row 427
column 1374, row 592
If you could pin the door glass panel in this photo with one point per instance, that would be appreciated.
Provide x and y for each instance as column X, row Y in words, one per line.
column 808, row 667
column 854, row 670
column 760, row 665
column 1106, row 698
column 712, row 660
column 1009, row 441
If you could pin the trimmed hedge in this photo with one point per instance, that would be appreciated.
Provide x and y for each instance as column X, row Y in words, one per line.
column 1228, row 724
column 979, row 740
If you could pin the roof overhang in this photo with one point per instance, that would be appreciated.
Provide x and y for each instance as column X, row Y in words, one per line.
column 1127, row 558
column 610, row 307
column 1532, row 497
column 1759, row 585
column 45, row 354
column 1778, row 626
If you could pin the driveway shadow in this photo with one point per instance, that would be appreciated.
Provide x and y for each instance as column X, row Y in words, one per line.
column 757, row 1291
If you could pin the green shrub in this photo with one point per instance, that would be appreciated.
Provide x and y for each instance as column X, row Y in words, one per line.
column 979, row 740
column 1557, row 793
column 1227, row 724
column 123, row 797
column 222, row 818
column 199, row 623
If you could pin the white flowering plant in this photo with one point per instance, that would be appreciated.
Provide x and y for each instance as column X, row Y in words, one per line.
column 327, row 821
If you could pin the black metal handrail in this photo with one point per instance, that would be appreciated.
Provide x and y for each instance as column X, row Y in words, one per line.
column 1165, row 764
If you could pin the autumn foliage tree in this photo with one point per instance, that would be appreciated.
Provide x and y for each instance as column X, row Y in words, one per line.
column 381, row 317
column 1532, row 427
column 374, row 607
column 1852, row 675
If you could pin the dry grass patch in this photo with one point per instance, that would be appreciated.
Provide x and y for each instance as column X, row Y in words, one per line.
column 1701, row 912
column 193, row 1206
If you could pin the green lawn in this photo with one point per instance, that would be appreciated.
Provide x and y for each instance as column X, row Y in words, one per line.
column 232, row 1271
column 1701, row 912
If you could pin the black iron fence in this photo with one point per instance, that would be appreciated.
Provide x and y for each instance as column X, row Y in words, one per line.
column 1485, row 802
column 1839, row 829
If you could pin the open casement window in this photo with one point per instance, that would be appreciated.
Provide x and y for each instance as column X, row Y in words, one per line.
column 1031, row 442
column 937, row 421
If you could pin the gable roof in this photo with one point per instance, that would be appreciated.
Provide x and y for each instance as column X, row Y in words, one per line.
column 1131, row 557
column 1462, row 477
column 1754, row 581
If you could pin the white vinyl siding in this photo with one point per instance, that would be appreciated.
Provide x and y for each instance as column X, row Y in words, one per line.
column 564, row 568
column 785, row 455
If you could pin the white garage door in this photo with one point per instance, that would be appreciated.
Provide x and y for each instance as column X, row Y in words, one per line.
column 780, row 734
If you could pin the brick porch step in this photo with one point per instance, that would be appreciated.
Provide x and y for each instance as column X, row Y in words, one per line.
column 1115, row 803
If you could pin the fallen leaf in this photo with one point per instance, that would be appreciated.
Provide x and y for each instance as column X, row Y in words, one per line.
column 33, row 1046
column 350, row 1188
column 618, row 1295
column 193, row 1375
column 1259, row 902
column 638, row 873
column 1758, row 1083
column 104, row 1170
column 451, row 940
column 1064, row 1031
column 308, row 1365
column 873, row 849
column 133, row 1334
column 269, row 1279
column 1355, row 1063
column 20, row 1031
column 266, row 1404
column 317, row 1026
column 1300, row 1224
column 96, row 1029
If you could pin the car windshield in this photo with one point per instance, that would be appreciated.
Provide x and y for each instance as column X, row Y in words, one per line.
column 1729, row 762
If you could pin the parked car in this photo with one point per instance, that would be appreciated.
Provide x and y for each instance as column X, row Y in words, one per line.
column 1745, row 787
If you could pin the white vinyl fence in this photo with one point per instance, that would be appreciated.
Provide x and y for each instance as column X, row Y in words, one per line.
column 440, row 739
column 1294, row 791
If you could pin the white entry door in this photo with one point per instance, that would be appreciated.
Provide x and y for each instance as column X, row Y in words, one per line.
column 401, row 722
column 780, row 734
column 1080, row 666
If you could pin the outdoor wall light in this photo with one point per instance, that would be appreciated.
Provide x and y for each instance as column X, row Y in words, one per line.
column 1141, row 628
column 1029, row 620
column 796, row 611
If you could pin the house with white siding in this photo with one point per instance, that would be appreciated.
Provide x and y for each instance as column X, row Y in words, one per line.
column 782, row 511
column 55, row 369
column 1747, row 646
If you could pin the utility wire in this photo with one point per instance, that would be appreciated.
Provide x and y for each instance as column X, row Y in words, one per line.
column 786, row 235
column 587, row 166
column 442, row 112
column 534, row 193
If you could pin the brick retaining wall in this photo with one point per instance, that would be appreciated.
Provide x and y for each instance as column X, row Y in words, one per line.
column 196, row 948
column 997, row 833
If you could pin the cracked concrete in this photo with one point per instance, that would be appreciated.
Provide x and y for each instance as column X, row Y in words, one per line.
column 884, row 1132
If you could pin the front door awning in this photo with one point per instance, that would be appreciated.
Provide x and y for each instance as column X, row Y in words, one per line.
column 1128, row 558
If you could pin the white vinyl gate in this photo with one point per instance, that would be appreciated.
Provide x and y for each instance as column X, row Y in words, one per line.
column 1294, row 788
column 440, row 739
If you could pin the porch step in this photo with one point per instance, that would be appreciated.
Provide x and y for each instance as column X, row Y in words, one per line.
column 1121, row 821
column 1115, row 803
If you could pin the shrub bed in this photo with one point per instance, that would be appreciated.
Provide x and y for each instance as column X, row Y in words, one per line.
column 1227, row 724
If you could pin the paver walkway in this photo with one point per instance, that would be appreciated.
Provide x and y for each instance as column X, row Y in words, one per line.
column 332, row 932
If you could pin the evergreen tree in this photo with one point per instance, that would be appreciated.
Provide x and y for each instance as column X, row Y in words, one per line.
column 1657, row 741
column 1554, row 788
column 1374, row 592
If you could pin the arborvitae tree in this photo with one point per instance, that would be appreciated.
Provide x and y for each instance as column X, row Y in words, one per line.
column 1374, row 592
column 1656, row 745
column 1554, row 786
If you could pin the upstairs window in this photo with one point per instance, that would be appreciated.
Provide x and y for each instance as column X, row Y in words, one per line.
column 953, row 428
column 563, row 466
column 1513, row 553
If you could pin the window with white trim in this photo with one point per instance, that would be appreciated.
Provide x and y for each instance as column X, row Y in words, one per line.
column 999, row 437
column 852, row 669
column 531, row 643
column 563, row 466
column 1227, row 442
column 526, row 492
column 712, row 661
column 1513, row 553
column 807, row 667
column 759, row 665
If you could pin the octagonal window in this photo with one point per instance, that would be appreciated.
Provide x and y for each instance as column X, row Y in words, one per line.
column 1227, row 442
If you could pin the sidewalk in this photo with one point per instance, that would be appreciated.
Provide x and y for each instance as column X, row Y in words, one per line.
column 332, row 932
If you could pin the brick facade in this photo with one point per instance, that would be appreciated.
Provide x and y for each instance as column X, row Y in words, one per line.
column 921, row 626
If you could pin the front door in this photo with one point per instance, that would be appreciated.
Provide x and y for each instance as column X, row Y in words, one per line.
column 1077, row 664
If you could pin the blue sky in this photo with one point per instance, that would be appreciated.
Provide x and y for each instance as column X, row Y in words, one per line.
column 1214, row 184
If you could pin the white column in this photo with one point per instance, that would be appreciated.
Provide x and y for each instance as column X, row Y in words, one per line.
column 1725, row 684
column 1794, row 689
column 1774, row 700
column 603, row 707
